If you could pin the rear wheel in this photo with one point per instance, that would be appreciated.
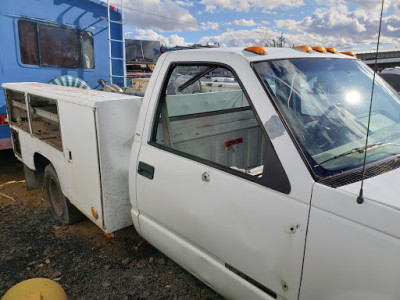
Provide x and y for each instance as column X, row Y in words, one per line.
column 62, row 210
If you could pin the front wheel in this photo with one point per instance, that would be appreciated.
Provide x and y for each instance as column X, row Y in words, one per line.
column 61, row 209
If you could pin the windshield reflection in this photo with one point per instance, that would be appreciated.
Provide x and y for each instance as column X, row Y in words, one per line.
column 325, row 102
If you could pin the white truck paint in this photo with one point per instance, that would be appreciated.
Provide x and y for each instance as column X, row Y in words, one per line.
column 246, row 186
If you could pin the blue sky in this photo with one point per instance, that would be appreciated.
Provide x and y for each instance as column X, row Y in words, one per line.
column 344, row 24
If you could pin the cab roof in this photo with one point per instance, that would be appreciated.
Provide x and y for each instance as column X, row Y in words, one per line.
column 272, row 53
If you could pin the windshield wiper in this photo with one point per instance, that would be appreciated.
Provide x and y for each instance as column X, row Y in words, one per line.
column 357, row 149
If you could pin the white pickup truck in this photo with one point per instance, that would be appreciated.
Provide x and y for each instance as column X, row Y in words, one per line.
column 253, row 188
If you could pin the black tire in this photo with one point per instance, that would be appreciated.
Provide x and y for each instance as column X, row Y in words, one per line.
column 61, row 209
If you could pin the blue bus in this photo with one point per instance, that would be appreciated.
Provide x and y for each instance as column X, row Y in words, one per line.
column 42, row 40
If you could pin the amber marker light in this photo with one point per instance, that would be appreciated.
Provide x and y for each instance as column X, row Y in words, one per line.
column 304, row 48
column 319, row 49
column 108, row 235
column 257, row 50
column 94, row 213
column 348, row 53
column 332, row 50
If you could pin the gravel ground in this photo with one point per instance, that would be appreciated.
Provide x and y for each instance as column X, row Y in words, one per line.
column 79, row 257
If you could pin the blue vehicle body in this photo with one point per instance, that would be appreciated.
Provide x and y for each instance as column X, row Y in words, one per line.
column 89, row 16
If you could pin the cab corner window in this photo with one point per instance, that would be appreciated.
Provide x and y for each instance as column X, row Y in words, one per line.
column 204, row 115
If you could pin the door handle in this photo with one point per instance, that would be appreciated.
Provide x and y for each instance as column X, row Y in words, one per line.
column 146, row 170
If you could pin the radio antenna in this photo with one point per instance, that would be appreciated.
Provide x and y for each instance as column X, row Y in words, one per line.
column 360, row 198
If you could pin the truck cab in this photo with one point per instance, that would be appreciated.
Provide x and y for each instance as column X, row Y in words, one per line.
column 249, row 188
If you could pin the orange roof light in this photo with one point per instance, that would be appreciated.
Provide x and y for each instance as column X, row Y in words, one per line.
column 304, row 48
column 348, row 53
column 257, row 50
column 319, row 49
column 332, row 50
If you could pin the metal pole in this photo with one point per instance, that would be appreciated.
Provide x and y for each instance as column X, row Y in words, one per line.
column 109, row 39
column 123, row 41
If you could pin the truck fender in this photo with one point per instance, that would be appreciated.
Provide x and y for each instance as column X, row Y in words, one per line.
column 34, row 177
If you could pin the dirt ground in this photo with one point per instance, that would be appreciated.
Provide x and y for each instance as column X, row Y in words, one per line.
column 79, row 257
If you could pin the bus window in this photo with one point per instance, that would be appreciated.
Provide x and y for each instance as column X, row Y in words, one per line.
column 87, row 45
column 27, row 42
column 58, row 46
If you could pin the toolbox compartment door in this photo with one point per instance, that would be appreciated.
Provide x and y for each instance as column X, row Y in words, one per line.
column 79, row 136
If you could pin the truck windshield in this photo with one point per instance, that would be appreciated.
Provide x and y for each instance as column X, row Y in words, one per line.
column 325, row 104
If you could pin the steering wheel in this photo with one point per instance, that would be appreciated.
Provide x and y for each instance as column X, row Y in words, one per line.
column 321, row 139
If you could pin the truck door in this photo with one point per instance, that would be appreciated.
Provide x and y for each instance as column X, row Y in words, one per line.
column 210, row 177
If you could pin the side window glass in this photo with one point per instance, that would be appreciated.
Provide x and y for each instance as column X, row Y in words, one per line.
column 204, row 115
column 28, row 42
column 58, row 46
column 87, row 45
